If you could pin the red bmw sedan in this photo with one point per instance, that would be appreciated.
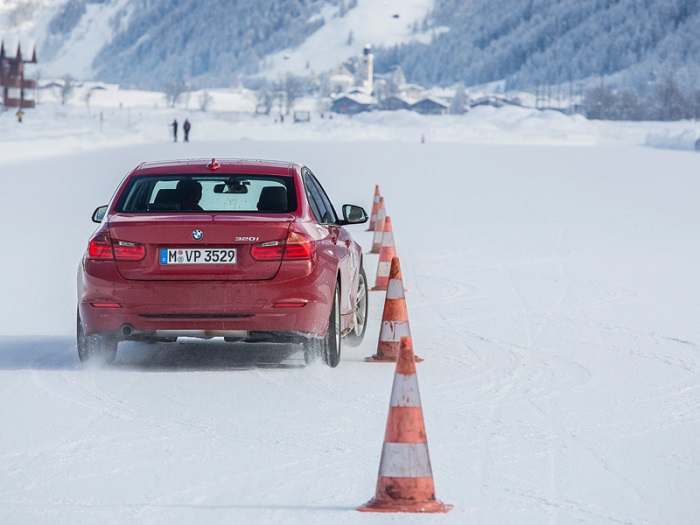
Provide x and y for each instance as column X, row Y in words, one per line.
column 247, row 250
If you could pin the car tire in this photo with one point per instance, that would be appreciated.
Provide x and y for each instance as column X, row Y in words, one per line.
column 96, row 347
column 357, row 334
column 328, row 348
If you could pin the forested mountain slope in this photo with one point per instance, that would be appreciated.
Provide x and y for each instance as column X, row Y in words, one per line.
column 535, row 42
column 632, row 44
column 212, row 40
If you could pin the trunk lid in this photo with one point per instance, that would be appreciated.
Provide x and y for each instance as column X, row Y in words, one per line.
column 175, row 251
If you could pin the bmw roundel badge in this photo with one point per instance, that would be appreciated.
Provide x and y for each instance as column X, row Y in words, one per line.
column 197, row 235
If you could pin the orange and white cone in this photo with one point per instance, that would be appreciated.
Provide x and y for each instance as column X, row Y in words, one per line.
column 405, row 481
column 395, row 326
column 375, row 209
column 386, row 254
column 379, row 228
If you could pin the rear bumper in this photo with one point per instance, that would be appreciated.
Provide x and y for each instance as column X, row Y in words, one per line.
column 109, row 303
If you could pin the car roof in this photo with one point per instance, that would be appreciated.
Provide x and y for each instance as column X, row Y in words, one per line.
column 217, row 166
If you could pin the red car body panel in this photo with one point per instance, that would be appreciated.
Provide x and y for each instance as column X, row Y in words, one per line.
column 288, row 296
column 173, row 230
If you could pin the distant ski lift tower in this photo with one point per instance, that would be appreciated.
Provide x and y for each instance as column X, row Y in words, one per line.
column 12, row 77
column 367, row 69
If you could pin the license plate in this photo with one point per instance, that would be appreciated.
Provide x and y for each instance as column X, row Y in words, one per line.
column 197, row 256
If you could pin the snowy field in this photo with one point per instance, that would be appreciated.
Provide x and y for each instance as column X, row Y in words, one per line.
column 553, row 269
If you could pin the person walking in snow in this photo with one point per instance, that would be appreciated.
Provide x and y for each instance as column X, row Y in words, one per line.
column 19, row 114
column 186, row 128
column 174, row 125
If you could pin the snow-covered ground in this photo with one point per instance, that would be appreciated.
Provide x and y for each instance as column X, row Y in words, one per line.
column 553, row 272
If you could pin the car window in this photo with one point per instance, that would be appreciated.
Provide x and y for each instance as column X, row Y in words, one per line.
column 325, row 213
column 332, row 217
column 220, row 193
column 313, row 198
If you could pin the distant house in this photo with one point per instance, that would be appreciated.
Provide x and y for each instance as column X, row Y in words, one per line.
column 352, row 104
column 302, row 116
column 488, row 100
column 394, row 103
column 13, row 86
column 412, row 91
column 430, row 106
column 495, row 101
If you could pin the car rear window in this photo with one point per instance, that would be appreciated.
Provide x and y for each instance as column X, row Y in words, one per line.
column 208, row 193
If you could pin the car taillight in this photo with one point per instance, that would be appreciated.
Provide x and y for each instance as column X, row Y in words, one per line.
column 298, row 246
column 101, row 247
column 129, row 251
column 267, row 251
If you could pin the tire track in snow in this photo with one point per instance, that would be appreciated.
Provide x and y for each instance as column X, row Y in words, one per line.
column 32, row 460
column 81, row 390
column 579, row 511
column 511, row 372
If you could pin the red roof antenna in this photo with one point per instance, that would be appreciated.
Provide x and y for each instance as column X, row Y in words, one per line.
column 213, row 165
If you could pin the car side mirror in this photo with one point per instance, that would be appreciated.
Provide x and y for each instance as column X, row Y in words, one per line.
column 99, row 214
column 353, row 214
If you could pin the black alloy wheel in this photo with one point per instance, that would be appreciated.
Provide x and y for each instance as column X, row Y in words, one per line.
column 355, row 337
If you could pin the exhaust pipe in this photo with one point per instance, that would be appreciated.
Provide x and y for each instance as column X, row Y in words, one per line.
column 127, row 329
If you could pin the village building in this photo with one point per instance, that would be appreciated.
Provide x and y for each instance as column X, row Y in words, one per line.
column 487, row 100
column 340, row 80
column 359, row 96
column 15, row 89
column 430, row 106
column 352, row 94
column 353, row 103
column 395, row 102
column 366, row 70
column 412, row 91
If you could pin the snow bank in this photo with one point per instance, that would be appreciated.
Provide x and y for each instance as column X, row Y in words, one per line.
column 688, row 139
column 103, row 115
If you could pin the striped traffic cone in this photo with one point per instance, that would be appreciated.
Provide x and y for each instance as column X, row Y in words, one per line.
column 379, row 228
column 386, row 254
column 375, row 209
column 405, row 481
column 395, row 325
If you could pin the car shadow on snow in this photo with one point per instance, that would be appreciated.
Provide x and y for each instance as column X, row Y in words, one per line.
column 59, row 353
column 211, row 355
column 38, row 353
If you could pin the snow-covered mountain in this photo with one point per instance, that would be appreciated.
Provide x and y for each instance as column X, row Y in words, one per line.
column 625, row 43
column 147, row 43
